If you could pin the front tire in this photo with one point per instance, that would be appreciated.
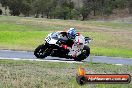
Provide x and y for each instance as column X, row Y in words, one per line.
column 40, row 51
column 85, row 53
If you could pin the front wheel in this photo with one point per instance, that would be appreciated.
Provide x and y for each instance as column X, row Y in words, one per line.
column 85, row 53
column 41, row 51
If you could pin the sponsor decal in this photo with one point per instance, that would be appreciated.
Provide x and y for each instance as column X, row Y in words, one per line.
column 83, row 78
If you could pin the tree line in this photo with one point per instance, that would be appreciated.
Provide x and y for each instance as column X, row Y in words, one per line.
column 64, row 9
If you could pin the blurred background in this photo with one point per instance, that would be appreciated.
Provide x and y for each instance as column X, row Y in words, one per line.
column 68, row 9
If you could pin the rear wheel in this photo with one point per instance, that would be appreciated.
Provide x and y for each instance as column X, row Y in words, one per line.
column 41, row 51
column 85, row 53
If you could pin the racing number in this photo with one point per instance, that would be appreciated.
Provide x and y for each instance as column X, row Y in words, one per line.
column 48, row 39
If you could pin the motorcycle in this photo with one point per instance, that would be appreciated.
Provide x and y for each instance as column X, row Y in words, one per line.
column 53, row 47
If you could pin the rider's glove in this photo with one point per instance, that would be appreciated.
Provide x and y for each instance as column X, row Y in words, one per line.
column 60, row 41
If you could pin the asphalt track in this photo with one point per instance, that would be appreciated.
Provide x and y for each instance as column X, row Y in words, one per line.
column 24, row 55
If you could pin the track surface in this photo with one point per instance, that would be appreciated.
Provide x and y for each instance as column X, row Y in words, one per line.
column 4, row 54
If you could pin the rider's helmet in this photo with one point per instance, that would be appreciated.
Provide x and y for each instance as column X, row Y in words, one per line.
column 71, row 33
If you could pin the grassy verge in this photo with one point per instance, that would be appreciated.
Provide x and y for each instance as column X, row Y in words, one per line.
column 109, row 38
column 30, row 74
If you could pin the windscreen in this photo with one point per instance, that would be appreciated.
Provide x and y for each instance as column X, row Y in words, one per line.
column 54, row 35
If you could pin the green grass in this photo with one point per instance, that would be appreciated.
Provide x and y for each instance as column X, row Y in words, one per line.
column 30, row 74
column 21, row 40
column 101, row 51
column 109, row 38
column 7, row 26
column 111, row 24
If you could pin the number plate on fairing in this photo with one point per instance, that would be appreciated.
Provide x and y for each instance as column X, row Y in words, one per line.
column 48, row 39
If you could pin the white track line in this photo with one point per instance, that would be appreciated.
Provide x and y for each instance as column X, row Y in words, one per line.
column 38, row 60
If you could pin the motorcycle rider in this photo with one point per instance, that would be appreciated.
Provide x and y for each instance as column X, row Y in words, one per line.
column 66, row 44
column 67, row 38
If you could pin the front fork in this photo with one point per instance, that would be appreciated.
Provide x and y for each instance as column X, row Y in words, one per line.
column 48, row 49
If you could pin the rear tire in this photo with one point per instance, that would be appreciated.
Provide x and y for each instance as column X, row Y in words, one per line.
column 85, row 53
column 40, row 51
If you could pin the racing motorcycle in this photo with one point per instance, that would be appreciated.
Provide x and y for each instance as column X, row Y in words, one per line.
column 53, row 47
